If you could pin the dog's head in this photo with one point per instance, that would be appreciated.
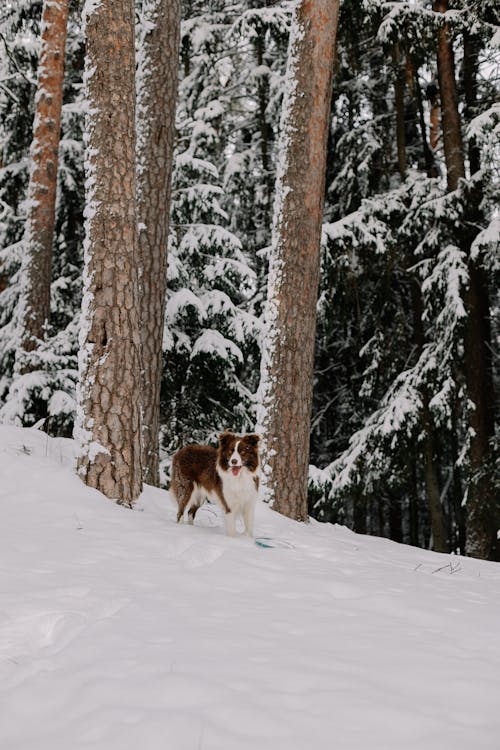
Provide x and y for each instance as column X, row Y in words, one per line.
column 237, row 452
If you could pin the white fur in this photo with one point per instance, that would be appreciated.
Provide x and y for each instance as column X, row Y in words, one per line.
column 240, row 493
column 235, row 458
column 197, row 498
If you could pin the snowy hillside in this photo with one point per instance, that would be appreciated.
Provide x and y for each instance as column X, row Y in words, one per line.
column 121, row 631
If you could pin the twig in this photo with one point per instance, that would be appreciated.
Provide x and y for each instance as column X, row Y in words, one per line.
column 453, row 569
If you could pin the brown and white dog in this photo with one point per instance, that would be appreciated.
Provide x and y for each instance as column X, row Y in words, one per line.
column 229, row 475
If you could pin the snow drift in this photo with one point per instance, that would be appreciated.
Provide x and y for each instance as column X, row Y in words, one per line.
column 121, row 630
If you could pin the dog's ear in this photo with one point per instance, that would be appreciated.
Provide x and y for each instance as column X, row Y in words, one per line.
column 252, row 439
column 225, row 437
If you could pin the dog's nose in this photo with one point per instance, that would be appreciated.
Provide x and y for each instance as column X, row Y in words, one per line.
column 234, row 460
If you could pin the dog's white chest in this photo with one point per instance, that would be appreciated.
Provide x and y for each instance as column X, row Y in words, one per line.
column 239, row 491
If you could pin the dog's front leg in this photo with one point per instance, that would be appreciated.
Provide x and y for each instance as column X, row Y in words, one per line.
column 248, row 514
column 230, row 523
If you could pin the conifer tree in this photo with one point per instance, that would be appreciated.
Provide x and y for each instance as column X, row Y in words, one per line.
column 42, row 385
column 288, row 351
column 483, row 509
column 156, row 102
column 108, row 425
column 36, row 267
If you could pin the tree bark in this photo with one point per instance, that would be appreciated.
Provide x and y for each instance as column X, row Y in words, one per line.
column 34, row 305
column 288, row 349
column 483, row 511
column 470, row 68
column 156, row 99
column 452, row 133
column 108, row 421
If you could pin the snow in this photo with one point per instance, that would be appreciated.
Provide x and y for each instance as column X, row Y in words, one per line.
column 120, row 629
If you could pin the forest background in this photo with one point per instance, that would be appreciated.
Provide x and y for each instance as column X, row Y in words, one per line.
column 403, row 440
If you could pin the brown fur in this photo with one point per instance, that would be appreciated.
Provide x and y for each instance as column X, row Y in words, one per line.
column 196, row 466
column 248, row 450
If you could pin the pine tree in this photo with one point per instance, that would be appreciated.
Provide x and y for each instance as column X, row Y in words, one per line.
column 483, row 510
column 47, row 389
column 36, row 267
column 157, row 93
column 390, row 375
column 288, row 350
column 108, row 425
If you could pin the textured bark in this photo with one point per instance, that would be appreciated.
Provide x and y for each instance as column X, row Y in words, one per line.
column 288, row 352
column 37, row 261
column 452, row 134
column 483, row 511
column 108, row 426
column 156, row 100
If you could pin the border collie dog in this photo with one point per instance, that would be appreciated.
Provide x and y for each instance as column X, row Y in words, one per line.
column 228, row 475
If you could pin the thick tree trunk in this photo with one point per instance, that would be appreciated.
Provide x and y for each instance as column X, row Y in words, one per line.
column 288, row 349
column 452, row 134
column 156, row 99
column 34, row 305
column 483, row 512
column 108, row 426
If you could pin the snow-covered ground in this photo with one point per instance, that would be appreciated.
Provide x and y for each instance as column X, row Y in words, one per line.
column 121, row 630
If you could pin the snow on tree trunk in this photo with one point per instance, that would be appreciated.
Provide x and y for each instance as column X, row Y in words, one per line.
column 156, row 99
column 108, row 425
column 290, row 318
column 34, row 304
column 483, row 511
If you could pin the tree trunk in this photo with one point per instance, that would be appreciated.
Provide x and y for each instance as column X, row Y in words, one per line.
column 34, row 305
column 414, row 86
column 399, row 100
column 431, row 477
column 156, row 98
column 439, row 542
column 470, row 68
column 264, row 127
column 435, row 121
column 413, row 504
column 108, row 424
column 452, row 134
column 483, row 512
column 395, row 519
column 288, row 349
